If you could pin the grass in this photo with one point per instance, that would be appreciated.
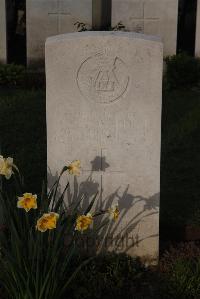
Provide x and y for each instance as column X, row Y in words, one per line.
column 180, row 164
column 22, row 135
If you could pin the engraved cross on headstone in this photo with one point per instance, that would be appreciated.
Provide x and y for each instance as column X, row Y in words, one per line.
column 58, row 13
column 101, row 166
column 143, row 19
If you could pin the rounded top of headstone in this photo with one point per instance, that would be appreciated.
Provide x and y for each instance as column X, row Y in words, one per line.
column 102, row 34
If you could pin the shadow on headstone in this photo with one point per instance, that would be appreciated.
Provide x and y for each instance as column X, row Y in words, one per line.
column 99, row 164
column 113, row 236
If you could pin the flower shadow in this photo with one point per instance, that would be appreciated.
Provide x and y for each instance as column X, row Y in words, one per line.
column 124, row 235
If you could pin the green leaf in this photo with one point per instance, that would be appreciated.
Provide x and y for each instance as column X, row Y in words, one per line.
column 91, row 204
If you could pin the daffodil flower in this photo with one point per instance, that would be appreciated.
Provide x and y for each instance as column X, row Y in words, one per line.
column 74, row 167
column 114, row 212
column 83, row 222
column 6, row 167
column 47, row 221
column 27, row 201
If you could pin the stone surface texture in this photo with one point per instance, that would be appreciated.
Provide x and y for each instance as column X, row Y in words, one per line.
column 154, row 17
column 104, row 94
column 3, row 38
column 51, row 17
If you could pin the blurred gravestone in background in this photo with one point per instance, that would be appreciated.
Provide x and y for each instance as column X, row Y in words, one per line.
column 3, row 38
column 39, row 19
column 197, row 41
column 51, row 17
column 155, row 17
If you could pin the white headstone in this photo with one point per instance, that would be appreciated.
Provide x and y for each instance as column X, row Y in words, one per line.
column 154, row 17
column 46, row 18
column 197, row 43
column 3, row 38
column 104, row 94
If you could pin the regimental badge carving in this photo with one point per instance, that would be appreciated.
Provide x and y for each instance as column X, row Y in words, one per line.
column 102, row 78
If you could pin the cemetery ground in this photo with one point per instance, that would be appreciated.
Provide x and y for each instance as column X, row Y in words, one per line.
column 23, row 127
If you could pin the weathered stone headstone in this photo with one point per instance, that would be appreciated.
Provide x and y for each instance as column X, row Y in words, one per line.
column 45, row 18
column 3, row 38
column 104, row 108
column 197, row 43
column 154, row 17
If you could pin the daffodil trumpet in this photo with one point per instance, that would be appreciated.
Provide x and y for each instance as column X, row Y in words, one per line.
column 74, row 167
column 48, row 221
column 27, row 202
column 83, row 222
column 114, row 212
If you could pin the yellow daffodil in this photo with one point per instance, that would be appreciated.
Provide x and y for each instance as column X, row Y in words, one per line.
column 47, row 221
column 114, row 212
column 83, row 222
column 27, row 201
column 74, row 167
column 6, row 165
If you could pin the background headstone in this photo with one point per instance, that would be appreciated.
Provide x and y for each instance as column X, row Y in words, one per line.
column 154, row 17
column 104, row 94
column 3, row 37
column 51, row 17
column 197, row 44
